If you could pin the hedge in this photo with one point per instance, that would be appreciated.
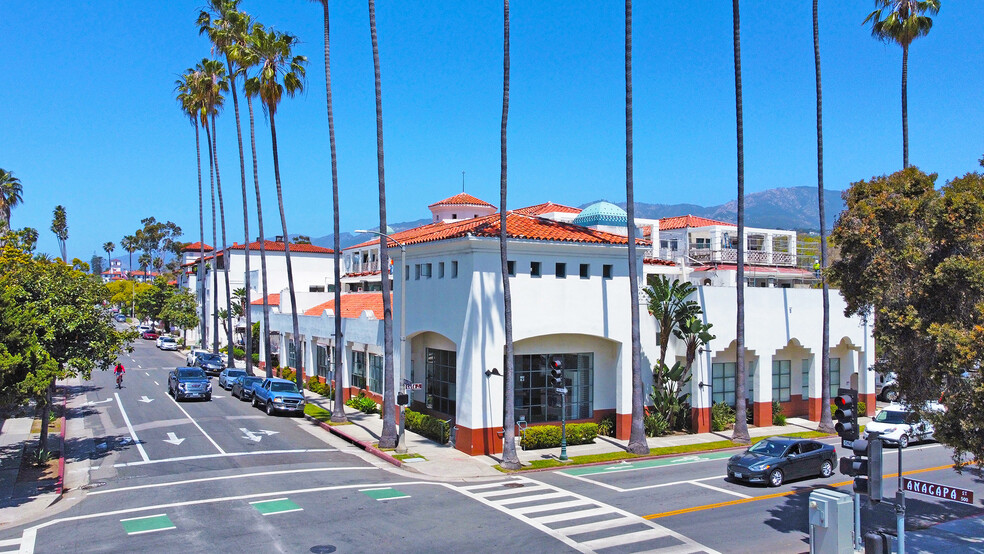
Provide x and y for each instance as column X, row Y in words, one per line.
column 548, row 436
column 428, row 426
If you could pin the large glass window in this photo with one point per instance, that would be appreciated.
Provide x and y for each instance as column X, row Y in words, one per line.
column 359, row 369
column 375, row 381
column 291, row 354
column 536, row 399
column 723, row 383
column 323, row 362
column 781, row 374
column 835, row 376
column 442, row 372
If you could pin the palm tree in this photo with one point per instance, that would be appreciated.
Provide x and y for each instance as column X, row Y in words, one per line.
column 740, row 434
column 389, row 436
column 189, row 97
column 108, row 247
column 59, row 226
column 11, row 194
column 277, row 63
column 229, row 33
column 247, row 60
column 637, row 434
column 668, row 304
column 338, row 412
column 510, row 460
column 901, row 22
column 826, row 423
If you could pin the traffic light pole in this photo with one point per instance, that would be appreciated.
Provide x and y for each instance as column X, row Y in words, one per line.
column 900, row 508
column 858, row 543
column 563, row 425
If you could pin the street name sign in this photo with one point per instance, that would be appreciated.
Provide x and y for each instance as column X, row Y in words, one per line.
column 415, row 386
column 938, row 491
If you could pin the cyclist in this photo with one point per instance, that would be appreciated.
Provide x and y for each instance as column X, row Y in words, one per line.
column 119, row 371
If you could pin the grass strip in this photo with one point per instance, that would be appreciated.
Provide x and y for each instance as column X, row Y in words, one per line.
column 402, row 457
column 321, row 414
column 659, row 451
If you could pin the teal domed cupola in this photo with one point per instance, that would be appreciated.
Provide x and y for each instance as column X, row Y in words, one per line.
column 602, row 214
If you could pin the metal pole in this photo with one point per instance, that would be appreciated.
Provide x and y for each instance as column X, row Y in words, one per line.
column 563, row 427
column 857, row 522
column 401, row 443
column 900, row 508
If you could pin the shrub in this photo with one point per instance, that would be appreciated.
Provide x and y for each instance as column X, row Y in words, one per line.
column 655, row 424
column 606, row 427
column 428, row 426
column 363, row 403
column 317, row 387
column 239, row 353
column 722, row 416
column 287, row 373
column 777, row 416
column 548, row 436
column 256, row 357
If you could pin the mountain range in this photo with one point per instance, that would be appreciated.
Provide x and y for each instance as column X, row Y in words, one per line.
column 792, row 208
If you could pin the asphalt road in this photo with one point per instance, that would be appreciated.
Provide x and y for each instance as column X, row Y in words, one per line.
column 221, row 476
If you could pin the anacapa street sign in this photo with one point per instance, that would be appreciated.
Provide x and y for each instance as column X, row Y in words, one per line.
column 938, row 491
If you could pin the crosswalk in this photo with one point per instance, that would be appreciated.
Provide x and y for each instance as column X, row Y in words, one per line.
column 578, row 521
column 10, row 545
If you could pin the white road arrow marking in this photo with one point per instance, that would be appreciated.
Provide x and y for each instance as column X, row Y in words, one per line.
column 218, row 396
column 247, row 434
column 146, row 400
column 268, row 433
column 686, row 459
column 94, row 402
column 173, row 439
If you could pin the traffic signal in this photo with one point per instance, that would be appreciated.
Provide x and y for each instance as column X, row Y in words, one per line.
column 557, row 372
column 847, row 418
column 866, row 468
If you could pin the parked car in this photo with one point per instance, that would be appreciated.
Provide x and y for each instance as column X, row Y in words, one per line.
column 189, row 382
column 167, row 343
column 143, row 328
column 242, row 387
column 213, row 364
column 149, row 335
column 228, row 376
column 120, row 317
column 278, row 395
column 899, row 424
column 777, row 459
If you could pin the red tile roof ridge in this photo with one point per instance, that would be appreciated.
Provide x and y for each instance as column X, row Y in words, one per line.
column 279, row 247
column 681, row 221
column 462, row 199
column 273, row 300
column 546, row 207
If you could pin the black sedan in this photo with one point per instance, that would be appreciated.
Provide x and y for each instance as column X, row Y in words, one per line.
column 242, row 386
column 778, row 459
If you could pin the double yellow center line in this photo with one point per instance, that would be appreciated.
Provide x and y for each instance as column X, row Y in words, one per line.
column 779, row 494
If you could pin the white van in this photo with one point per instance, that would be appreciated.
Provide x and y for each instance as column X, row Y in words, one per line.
column 898, row 424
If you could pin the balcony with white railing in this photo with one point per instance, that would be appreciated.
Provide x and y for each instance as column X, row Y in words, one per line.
column 730, row 255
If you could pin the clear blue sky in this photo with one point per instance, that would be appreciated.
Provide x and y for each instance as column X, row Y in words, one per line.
column 89, row 118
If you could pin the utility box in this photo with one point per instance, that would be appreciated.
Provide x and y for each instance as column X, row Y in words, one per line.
column 831, row 522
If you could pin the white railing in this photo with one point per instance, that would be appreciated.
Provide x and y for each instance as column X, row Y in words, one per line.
column 730, row 255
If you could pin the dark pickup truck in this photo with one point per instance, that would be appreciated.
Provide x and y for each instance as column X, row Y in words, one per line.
column 189, row 382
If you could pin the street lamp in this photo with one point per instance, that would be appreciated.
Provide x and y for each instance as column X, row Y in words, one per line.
column 401, row 444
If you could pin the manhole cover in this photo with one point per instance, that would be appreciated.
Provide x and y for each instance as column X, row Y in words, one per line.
column 513, row 485
column 323, row 549
column 93, row 485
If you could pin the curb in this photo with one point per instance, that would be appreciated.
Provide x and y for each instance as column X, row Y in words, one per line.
column 361, row 444
column 61, row 460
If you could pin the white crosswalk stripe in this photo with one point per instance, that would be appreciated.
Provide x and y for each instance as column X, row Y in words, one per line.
column 578, row 521
column 10, row 545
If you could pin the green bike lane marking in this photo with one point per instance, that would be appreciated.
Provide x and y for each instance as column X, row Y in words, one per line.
column 659, row 462
column 387, row 493
column 275, row 506
column 147, row 524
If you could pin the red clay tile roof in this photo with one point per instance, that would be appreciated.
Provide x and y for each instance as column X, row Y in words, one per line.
column 353, row 304
column 462, row 199
column 657, row 261
column 270, row 245
column 273, row 300
column 679, row 222
column 519, row 226
column 547, row 207
column 196, row 247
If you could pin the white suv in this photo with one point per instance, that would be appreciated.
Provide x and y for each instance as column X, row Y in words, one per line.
column 898, row 424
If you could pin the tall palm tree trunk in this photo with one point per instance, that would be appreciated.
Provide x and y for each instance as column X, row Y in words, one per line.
column 215, row 250
column 298, row 353
column 200, row 277
column 248, row 339
column 510, row 460
column 826, row 422
column 740, row 434
column 905, row 106
column 637, row 433
column 267, row 355
column 388, row 437
column 230, row 358
column 338, row 410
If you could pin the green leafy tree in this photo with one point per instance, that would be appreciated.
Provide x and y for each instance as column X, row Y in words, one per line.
column 152, row 299
column 59, row 226
column 181, row 311
column 912, row 256
column 11, row 194
column 279, row 71
column 96, row 263
column 901, row 22
column 668, row 303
